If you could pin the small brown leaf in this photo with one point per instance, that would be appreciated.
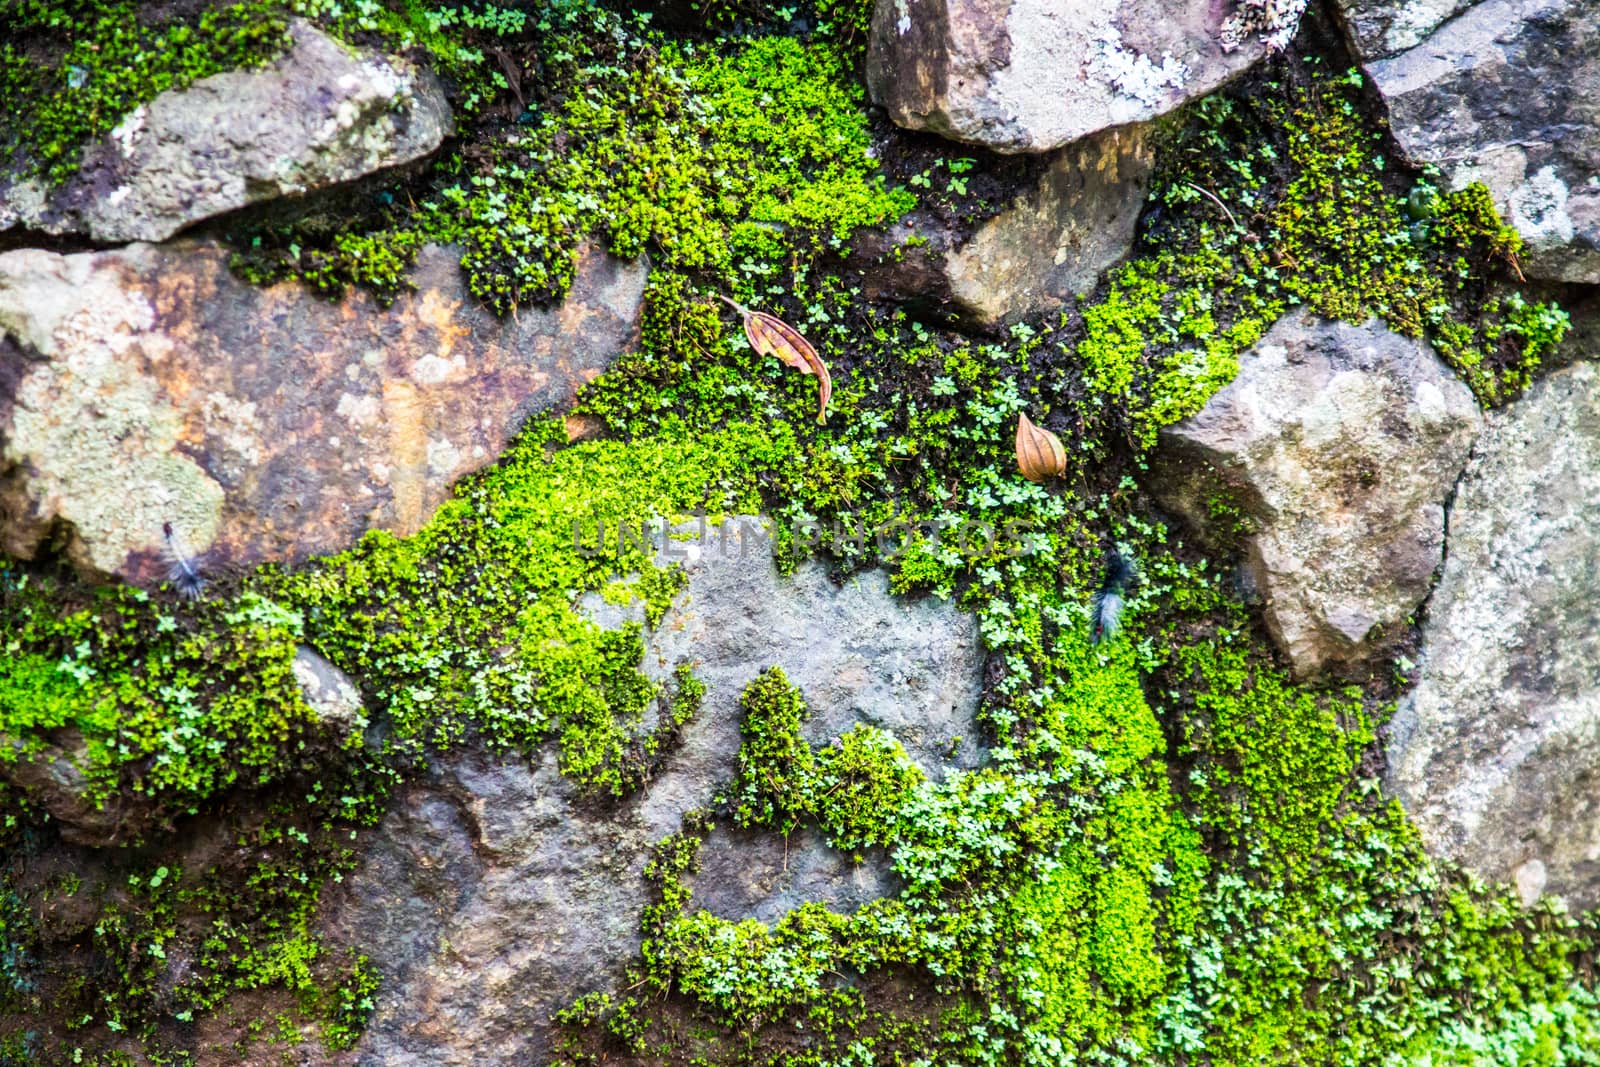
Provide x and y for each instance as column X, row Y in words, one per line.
column 1040, row 456
column 771, row 336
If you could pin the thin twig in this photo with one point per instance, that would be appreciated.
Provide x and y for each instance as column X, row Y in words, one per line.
column 734, row 304
column 1209, row 195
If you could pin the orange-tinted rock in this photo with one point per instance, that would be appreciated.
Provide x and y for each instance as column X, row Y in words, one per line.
column 148, row 385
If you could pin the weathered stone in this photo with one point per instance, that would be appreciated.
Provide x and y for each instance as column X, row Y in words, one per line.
column 153, row 387
column 330, row 694
column 1382, row 28
column 52, row 778
column 319, row 115
column 1336, row 447
column 1031, row 75
column 1496, row 753
column 1506, row 92
column 492, row 894
column 1049, row 245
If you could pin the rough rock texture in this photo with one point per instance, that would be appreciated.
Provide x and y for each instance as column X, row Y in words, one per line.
column 319, row 115
column 1496, row 753
column 150, row 386
column 1507, row 92
column 53, row 778
column 330, row 693
column 1336, row 447
column 1050, row 244
column 1382, row 28
column 1031, row 75
column 492, row 895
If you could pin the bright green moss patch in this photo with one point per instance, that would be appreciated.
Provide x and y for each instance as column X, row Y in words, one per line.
column 474, row 625
column 711, row 158
column 172, row 701
column 851, row 788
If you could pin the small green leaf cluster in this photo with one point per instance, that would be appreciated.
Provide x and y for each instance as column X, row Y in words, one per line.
column 173, row 701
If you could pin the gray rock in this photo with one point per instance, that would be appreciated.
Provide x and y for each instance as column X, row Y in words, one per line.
column 148, row 385
column 1507, row 92
column 1381, row 28
column 330, row 694
column 1050, row 244
column 1496, row 753
column 492, row 894
column 319, row 115
column 1335, row 447
column 1032, row 75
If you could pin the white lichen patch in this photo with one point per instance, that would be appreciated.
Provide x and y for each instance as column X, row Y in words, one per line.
column 1133, row 74
column 1414, row 21
column 1538, row 209
column 434, row 370
column 444, row 458
column 359, row 411
column 1273, row 21
column 101, row 440
column 235, row 425
column 127, row 132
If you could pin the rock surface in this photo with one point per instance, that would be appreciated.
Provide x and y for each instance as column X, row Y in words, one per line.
column 1496, row 753
column 1050, row 244
column 1031, row 75
column 1335, row 448
column 1379, row 29
column 319, row 115
column 52, row 777
column 492, row 894
column 1506, row 92
column 330, row 693
column 149, row 386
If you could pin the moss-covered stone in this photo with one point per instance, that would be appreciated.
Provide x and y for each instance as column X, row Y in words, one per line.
column 1172, row 853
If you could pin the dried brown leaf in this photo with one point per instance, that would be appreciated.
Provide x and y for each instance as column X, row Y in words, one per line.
column 1040, row 456
column 771, row 336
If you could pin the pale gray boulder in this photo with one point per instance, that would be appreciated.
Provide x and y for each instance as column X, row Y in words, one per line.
column 1496, row 753
column 319, row 115
column 1329, row 459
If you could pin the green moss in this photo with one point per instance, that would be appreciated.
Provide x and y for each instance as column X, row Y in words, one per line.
column 776, row 764
column 176, row 702
column 649, row 144
column 1170, row 854
column 70, row 71
column 1312, row 221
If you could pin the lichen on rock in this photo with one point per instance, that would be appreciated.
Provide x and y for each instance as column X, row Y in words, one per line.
column 477, row 786
column 319, row 115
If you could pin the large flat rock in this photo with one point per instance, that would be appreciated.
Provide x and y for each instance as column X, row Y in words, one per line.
column 148, row 386
column 492, row 894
